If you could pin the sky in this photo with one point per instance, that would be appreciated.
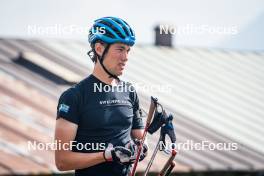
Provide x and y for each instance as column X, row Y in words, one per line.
column 227, row 24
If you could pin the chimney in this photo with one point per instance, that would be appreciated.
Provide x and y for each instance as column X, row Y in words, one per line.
column 163, row 37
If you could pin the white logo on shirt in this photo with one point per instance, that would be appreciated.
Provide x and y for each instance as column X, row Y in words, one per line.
column 115, row 101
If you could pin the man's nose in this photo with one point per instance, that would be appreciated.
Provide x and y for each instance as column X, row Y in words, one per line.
column 125, row 57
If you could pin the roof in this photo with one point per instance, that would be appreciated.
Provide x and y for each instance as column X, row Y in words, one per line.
column 214, row 95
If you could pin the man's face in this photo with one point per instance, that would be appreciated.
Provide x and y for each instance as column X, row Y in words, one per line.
column 116, row 58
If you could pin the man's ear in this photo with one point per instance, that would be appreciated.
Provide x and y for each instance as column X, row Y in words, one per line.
column 99, row 48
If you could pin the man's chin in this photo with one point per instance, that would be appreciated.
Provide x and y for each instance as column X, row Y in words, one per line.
column 119, row 73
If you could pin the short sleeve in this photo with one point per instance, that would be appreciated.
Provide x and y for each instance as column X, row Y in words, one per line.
column 68, row 106
column 137, row 119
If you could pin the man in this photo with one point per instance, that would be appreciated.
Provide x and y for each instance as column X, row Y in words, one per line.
column 101, row 123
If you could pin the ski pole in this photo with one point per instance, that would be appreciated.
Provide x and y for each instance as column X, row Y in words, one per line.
column 161, row 118
column 158, row 120
column 152, row 158
column 153, row 106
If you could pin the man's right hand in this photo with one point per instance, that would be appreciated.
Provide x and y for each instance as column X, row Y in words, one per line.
column 117, row 154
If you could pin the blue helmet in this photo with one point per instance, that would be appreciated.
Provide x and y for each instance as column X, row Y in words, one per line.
column 111, row 30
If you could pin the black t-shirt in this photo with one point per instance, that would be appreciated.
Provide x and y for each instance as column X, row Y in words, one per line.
column 104, row 114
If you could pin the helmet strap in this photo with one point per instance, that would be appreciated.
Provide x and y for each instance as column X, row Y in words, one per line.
column 101, row 60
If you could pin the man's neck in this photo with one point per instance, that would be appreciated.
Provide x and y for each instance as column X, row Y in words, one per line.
column 99, row 73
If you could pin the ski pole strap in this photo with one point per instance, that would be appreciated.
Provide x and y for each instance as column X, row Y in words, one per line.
column 158, row 121
column 168, row 163
column 168, row 129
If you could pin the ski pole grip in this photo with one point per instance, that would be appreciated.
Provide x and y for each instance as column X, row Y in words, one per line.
column 173, row 163
column 153, row 105
column 168, row 163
